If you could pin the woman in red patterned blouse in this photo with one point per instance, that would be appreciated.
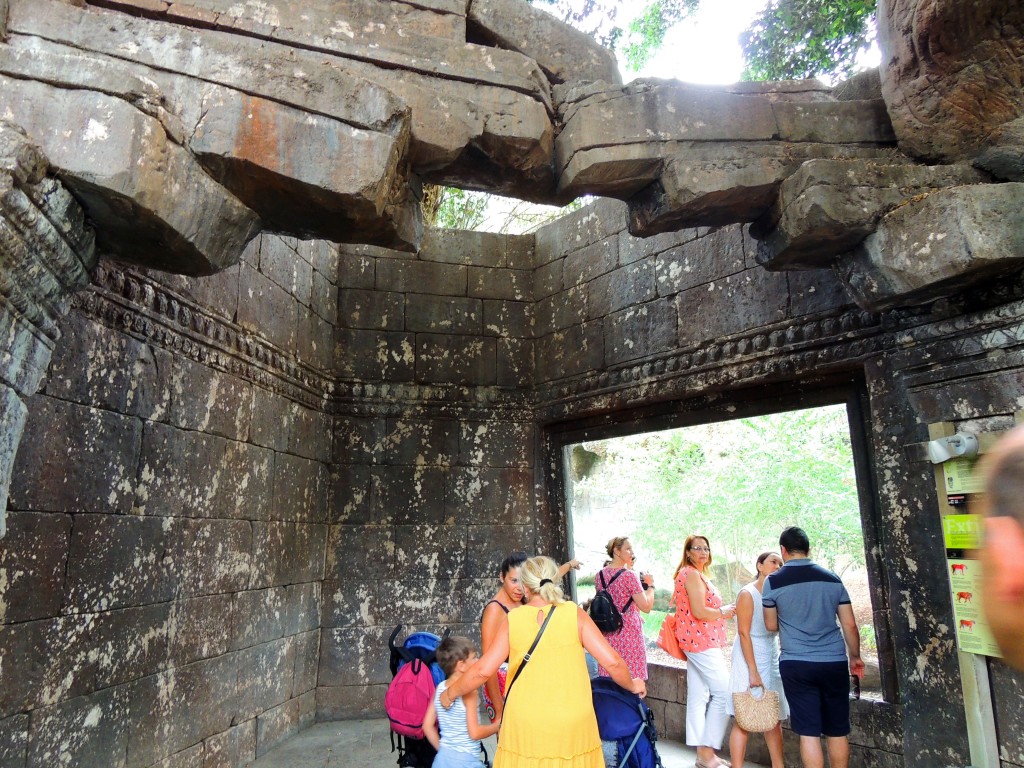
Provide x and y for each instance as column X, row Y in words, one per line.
column 630, row 596
column 700, row 629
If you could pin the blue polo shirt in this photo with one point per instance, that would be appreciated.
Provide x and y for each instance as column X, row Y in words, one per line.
column 806, row 597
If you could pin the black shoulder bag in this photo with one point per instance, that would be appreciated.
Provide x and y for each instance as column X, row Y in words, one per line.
column 529, row 653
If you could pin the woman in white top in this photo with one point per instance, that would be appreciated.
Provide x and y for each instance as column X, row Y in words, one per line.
column 755, row 661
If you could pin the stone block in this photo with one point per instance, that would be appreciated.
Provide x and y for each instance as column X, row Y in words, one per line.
column 79, row 459
column 199, row 628
column 359, row 439
column 430, row 552
column 736, row 303
column 14, row 731
column 217, row 556
column 192, row 474
column 22, row 682
column 310, row 433
column 460, row 360
column 356, row 270
column 443, row 314
column 117, row 561
column 186, row 758
column 180, row 707
column 834, row 122
column 131, row 183
column 302, row 607
column 275, row 725
column 375, row 355
column 94, row 729
column 353, row 602
column 520, row 251
column 408, row 275
column 265, row 675
column 515, row 363
column 324, row 297
column 491, row 283
column 351, row 494
column 33, row 559
column 347, row 656
column 496, row 443
column 548, row 278
column 14, row 415
column 216, row 294
column 274, row 553
column 570, row 352
column 624, row 287
column 939, row 245
column 580, row 228
column 464, row 246
column 271, row 419
column 421, row 442
column 231, row 748
column 813, row 291
column 638, row 248
column 315, row 344
column 425, row 603
column 703, row 260
column 206, row 400
column 299, row 488
column 307, row 709
column 94, row 366
column 266, row 309
column 410, row 494
column 307, row 659
column 640, row 331
column 508, row 318
column 257, row 616
column 1008, row 696
column 349, row 702
column 364, row 549
column 561, row 311
column 478, row 496
column 370, row 309
column 595, row 259
column 280, row 261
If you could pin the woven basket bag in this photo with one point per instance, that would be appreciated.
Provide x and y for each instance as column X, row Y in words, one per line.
column 756, row 714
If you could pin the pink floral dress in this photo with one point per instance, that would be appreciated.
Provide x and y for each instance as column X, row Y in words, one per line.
column 628, row 641
column 693, row 634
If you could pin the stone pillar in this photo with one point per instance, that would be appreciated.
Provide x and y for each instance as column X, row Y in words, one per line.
column 46, row 252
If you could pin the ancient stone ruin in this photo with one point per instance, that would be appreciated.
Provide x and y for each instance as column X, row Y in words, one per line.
column 253, row 415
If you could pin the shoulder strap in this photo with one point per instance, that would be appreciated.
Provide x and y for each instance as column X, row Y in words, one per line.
column 498, row 603
column 600, row 575
column 529, row 653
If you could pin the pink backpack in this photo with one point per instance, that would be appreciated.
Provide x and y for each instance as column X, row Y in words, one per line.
column 408, row 697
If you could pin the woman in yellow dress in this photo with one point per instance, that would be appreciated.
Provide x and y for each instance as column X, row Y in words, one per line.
column 549, row 719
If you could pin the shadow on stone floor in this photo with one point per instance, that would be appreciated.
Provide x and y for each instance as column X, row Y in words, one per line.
column 366, row 744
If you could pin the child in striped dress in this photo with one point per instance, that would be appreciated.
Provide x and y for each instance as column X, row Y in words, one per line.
column 458, row 743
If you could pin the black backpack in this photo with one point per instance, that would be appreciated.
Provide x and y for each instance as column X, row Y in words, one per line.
column 603, row 610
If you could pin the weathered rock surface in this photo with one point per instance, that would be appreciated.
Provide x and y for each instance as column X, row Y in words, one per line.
column 565, row 55
column 949, row 240
column 828, row 206
column 952, row 73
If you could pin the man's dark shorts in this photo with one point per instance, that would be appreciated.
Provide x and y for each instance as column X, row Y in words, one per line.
column 819, row 697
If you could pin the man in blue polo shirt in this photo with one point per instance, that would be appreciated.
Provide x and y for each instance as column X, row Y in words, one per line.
column 803, row 601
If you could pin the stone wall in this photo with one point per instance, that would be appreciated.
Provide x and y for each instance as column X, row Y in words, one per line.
column 163, row 565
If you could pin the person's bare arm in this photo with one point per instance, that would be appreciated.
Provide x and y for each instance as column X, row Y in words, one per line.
column 851, row 634
column 430, row 726
column 570, row 565
column 477, row 730
column 485, row 666
column 771, row 619
column 744, row 621
column 490, row 625
column 607, row 657
column 698, row 594
column 644, row 600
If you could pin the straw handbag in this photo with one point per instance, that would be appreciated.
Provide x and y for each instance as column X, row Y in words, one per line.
column 756, row 714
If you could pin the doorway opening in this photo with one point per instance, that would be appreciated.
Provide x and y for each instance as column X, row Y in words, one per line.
column 738, row 482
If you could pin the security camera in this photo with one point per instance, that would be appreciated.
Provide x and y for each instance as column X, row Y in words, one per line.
column 960, row 445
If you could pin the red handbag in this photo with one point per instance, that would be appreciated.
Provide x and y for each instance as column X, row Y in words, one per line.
column 667, row 638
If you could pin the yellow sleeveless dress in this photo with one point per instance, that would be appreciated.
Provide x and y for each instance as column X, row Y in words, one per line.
column 549, row 719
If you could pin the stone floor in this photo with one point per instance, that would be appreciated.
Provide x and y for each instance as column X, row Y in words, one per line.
column 365, row 744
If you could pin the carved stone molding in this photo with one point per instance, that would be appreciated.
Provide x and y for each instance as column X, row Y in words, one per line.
column 139, row 306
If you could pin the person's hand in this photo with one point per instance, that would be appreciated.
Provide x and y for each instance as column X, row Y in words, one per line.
column 574, row 564
column 639, row 687
column 648, row 580
column 857, row 666
column 728, row 611
column 754, row 681
column 446, row 698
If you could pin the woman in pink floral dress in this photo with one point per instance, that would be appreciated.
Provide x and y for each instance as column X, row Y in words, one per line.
column 700, row 629
column 630, row 597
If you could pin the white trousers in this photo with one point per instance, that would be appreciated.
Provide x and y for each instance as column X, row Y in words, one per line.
column 707, row 689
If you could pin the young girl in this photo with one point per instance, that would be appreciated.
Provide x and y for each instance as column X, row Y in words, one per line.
column 458, row 744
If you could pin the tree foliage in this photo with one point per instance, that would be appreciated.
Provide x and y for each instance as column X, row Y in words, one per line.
column 796, row 39
column 739, row 483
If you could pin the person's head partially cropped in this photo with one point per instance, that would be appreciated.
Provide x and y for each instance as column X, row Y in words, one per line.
column 1002, row 553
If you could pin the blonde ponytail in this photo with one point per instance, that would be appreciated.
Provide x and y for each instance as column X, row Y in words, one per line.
column 542, row 569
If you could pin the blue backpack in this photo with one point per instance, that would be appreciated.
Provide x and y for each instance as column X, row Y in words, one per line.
column 418, row 645
column 624, row 718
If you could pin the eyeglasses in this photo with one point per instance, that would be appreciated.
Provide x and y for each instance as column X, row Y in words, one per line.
column 700, row 549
